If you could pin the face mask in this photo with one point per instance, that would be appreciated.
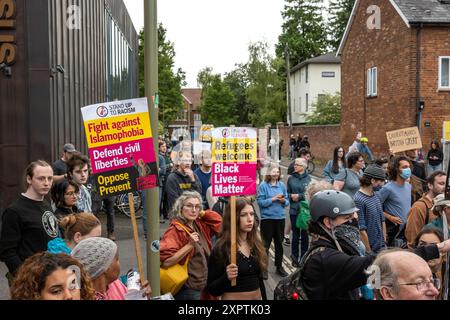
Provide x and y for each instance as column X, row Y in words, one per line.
column 377, row 188
column 406, row 173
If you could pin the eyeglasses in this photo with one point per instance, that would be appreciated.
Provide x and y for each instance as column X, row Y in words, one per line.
column 424, row 285
column 191, row 207
column 72, row 194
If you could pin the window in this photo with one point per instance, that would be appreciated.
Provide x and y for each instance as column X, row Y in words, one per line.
column 307, row 73
column 307, row 102
column 197, row 117
column 372, row 76
column 300, row 104
column 328, row 74
column 444, row 72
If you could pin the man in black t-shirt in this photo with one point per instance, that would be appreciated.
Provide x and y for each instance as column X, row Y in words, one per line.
column 29, row 223
column 60, row 165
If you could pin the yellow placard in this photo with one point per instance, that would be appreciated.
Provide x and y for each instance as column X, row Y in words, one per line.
column 404, row 139
column 447, row 130
column 234, row 150
column 103, row 132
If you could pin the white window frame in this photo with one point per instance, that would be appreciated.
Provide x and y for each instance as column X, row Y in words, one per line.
column 440, row 86
column 372, row 82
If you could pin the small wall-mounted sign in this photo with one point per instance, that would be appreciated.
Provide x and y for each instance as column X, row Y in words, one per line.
column 427, row 124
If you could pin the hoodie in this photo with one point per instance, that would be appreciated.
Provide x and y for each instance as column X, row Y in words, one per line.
column 177, row 183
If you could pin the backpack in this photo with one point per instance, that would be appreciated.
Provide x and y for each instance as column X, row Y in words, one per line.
column 291, row 287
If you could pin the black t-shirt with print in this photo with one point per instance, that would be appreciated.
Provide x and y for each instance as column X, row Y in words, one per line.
column 27, row 227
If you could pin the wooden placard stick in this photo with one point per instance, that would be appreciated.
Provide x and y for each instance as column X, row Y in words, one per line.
column 233, row 234
column 137, row 244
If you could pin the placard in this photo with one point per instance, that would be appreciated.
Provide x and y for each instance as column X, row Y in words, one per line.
column 404, row 139
column 234, row 157
column 120, row 142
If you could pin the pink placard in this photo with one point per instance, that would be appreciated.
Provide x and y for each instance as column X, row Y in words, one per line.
column 121, row 155
column 233, row 179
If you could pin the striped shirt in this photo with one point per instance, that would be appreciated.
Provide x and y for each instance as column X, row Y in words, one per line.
column 371, row 218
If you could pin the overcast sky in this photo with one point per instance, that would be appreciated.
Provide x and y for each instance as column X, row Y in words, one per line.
column 214, row 33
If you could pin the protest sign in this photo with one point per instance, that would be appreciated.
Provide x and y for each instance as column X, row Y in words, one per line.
column 206, row 133
column 234, row 162
column 120, row 145
column 404, row 139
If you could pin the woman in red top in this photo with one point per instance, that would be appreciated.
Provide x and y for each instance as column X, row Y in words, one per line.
column 189, row 237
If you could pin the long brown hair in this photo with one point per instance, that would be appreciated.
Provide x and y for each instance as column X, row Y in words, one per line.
column 253, row 237
column 33, row 273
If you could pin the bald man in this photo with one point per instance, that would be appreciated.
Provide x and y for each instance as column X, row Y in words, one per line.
column 405, row 276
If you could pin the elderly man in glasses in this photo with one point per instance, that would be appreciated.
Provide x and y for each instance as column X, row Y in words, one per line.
column 403, row 275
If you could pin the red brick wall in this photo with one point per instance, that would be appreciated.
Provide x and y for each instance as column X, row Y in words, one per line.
column 435, row 42
column 392, row 49
column 323, row 139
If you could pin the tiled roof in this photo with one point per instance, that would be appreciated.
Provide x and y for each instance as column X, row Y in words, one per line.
column 193, row 96
column 425, row 11
column 329, row 58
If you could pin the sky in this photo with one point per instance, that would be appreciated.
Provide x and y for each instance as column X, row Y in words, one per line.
column 213, row 33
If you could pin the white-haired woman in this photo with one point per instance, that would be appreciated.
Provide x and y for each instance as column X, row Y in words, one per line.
column 189, row 237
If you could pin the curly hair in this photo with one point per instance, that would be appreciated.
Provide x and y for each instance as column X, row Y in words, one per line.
column 177, row 211
column 33, row 273
column 394, row 166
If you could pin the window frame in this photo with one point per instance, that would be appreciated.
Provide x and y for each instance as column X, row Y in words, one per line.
column 440, row 86
column 372, row 82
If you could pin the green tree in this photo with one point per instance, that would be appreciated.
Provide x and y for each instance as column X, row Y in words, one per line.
column 340, row 11
column 170, row 81
column 265, row 92
column 218, row 105
column 327, row 110
column 238, row 82
column 304, row 30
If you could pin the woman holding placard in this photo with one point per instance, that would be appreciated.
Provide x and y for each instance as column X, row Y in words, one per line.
column 272, row 199
column 251, row 260
column 189, row 237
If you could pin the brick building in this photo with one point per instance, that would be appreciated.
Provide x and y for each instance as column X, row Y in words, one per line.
column 395, row 58
column 189, row 115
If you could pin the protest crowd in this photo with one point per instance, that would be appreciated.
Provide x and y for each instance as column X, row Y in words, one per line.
column 371, row 229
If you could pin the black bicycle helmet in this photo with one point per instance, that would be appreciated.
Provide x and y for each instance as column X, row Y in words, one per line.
column 331, row 203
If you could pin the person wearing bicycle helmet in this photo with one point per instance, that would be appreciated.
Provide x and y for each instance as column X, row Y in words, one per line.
column 336, row 270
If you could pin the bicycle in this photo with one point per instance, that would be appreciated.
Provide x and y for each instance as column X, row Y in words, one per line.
column 120, row 204
column 311, row 165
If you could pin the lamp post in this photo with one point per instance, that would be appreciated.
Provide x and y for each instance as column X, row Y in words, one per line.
column 151, row 89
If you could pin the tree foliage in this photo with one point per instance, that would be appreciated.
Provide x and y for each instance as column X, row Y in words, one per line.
column 327, row 110
column 340, row 11
column 170, row 81
column 265, row 90
column 218, row 105
column 304, row 30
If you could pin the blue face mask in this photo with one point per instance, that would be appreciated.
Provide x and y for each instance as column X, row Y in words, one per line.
column 406, row 173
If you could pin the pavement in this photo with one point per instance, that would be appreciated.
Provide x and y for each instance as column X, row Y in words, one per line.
column 127, row 254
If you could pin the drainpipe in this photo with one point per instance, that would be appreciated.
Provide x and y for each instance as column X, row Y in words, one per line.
column 419, row 105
